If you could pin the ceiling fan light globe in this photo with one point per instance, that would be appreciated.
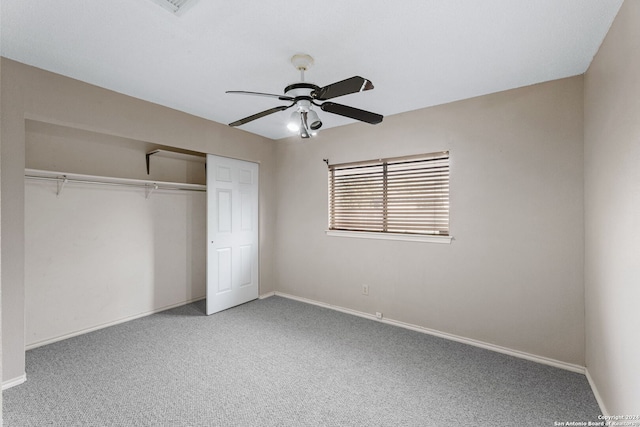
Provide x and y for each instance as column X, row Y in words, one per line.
column 314, row 120
column 294, row 122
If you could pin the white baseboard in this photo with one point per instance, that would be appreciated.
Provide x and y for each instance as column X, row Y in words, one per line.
column 106, row 325
column 596, row 393
column 504, row 350
column 267, row 295
column 14, row 381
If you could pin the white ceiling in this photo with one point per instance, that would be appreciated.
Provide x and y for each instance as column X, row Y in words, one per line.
column 417, row 53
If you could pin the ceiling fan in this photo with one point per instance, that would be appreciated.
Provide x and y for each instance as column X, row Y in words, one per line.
column 304, row 96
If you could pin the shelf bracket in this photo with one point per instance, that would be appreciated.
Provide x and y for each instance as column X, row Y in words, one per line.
column 61, row 183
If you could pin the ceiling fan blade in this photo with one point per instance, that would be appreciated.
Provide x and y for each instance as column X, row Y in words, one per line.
column 269, row 95
column 351, row 112
column 259, row 115
column 344, row 87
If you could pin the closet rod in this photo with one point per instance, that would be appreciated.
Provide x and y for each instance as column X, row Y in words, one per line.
column 126, row 182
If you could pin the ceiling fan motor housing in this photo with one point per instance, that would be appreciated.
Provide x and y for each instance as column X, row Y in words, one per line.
column 302, row 92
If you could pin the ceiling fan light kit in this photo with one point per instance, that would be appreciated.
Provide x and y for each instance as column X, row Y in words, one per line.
column 304, row 96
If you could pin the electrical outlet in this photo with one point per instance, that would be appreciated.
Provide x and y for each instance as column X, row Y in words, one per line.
column 378, row 315
column 365, row 289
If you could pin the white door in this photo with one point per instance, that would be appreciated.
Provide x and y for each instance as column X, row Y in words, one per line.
column 232, row 230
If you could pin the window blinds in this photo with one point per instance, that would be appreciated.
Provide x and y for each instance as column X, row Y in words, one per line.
column 398, row 195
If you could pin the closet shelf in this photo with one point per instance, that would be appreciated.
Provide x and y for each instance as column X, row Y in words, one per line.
column 200, row 158
column 62, row 178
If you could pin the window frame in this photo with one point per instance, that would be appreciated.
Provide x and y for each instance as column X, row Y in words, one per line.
column 385, row 213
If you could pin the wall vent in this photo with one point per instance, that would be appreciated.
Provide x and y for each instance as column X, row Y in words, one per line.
column 175, row 6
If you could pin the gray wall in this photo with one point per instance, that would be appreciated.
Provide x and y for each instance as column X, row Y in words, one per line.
column 513, row 275
column 612, row 214
column 33, row 94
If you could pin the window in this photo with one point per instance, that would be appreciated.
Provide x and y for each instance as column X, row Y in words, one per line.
column 403, row 195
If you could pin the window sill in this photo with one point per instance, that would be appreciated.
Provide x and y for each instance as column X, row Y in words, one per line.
column 391, row 236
